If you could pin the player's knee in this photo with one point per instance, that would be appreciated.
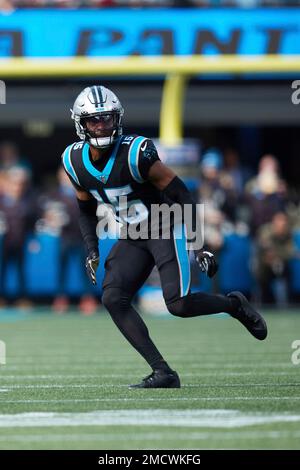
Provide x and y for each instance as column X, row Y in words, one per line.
column 111, row 299
column 115, row 299
column 177, row 308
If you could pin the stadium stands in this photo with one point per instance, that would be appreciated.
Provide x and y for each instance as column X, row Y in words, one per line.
column 71, row 4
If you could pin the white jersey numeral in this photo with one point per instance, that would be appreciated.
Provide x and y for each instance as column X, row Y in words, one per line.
column 130, row 212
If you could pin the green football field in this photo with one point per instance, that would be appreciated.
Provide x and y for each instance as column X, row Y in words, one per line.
column 64, row 384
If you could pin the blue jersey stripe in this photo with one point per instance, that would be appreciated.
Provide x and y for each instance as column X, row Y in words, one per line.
column 105, row 173
column 182, row 258
column 68, row 163
column 133, row 159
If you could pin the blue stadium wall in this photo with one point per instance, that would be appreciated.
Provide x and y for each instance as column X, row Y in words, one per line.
column 123, row 32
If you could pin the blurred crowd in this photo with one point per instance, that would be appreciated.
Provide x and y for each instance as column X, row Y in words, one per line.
column 10, row 5
column 258, row 204
column 25, row 210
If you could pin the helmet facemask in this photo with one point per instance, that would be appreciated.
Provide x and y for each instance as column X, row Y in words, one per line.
column 101, row 129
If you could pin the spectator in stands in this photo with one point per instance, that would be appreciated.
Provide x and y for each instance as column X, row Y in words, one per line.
column 266, row 193
column 10, row 5
column 217, row 186
column 232, row 166
column 268, row 175
column 10, row 157
column 60, row 214
column 275, row 250
column 7, row 6
column 17, row 217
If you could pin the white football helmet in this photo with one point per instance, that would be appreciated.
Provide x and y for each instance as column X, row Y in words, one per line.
column 94, row 101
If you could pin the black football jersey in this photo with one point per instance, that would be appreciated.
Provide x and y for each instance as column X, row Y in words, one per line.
column 122, row 182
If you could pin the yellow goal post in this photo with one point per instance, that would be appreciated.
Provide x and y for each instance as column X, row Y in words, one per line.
column 175, row 69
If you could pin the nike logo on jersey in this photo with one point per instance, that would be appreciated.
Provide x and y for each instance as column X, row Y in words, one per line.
column 143, row 147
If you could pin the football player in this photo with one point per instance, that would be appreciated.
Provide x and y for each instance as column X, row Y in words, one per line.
column 106, row 166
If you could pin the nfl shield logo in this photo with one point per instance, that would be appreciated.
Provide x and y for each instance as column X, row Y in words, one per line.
column 103, row 179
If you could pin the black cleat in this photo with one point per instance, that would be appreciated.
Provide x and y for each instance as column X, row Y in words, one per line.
column 251, row 319
column 159, row 379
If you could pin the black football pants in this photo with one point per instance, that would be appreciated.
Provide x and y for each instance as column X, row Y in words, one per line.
column 128, row 266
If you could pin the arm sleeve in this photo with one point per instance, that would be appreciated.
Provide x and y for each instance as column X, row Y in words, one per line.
column 88, row 224
column 177, row 192
column 147, row 157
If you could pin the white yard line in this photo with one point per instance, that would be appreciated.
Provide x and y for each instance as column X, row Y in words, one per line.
column 41, row 386
column 146, row 436
column 20, row 377
column 109, row 385
column 56, row 376
column 61, row 364
column 155, row 417
column 154, row 399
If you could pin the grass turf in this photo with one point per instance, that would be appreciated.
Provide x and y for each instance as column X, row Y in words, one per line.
column 236, row 393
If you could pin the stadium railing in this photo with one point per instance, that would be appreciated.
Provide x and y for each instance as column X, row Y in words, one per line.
column 42, row 278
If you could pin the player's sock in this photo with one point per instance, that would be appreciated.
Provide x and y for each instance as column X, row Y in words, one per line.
column 131, row 325
column 200, row 303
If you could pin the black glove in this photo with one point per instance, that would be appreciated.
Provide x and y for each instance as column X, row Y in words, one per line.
column 91, row 264
column 207, row 262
